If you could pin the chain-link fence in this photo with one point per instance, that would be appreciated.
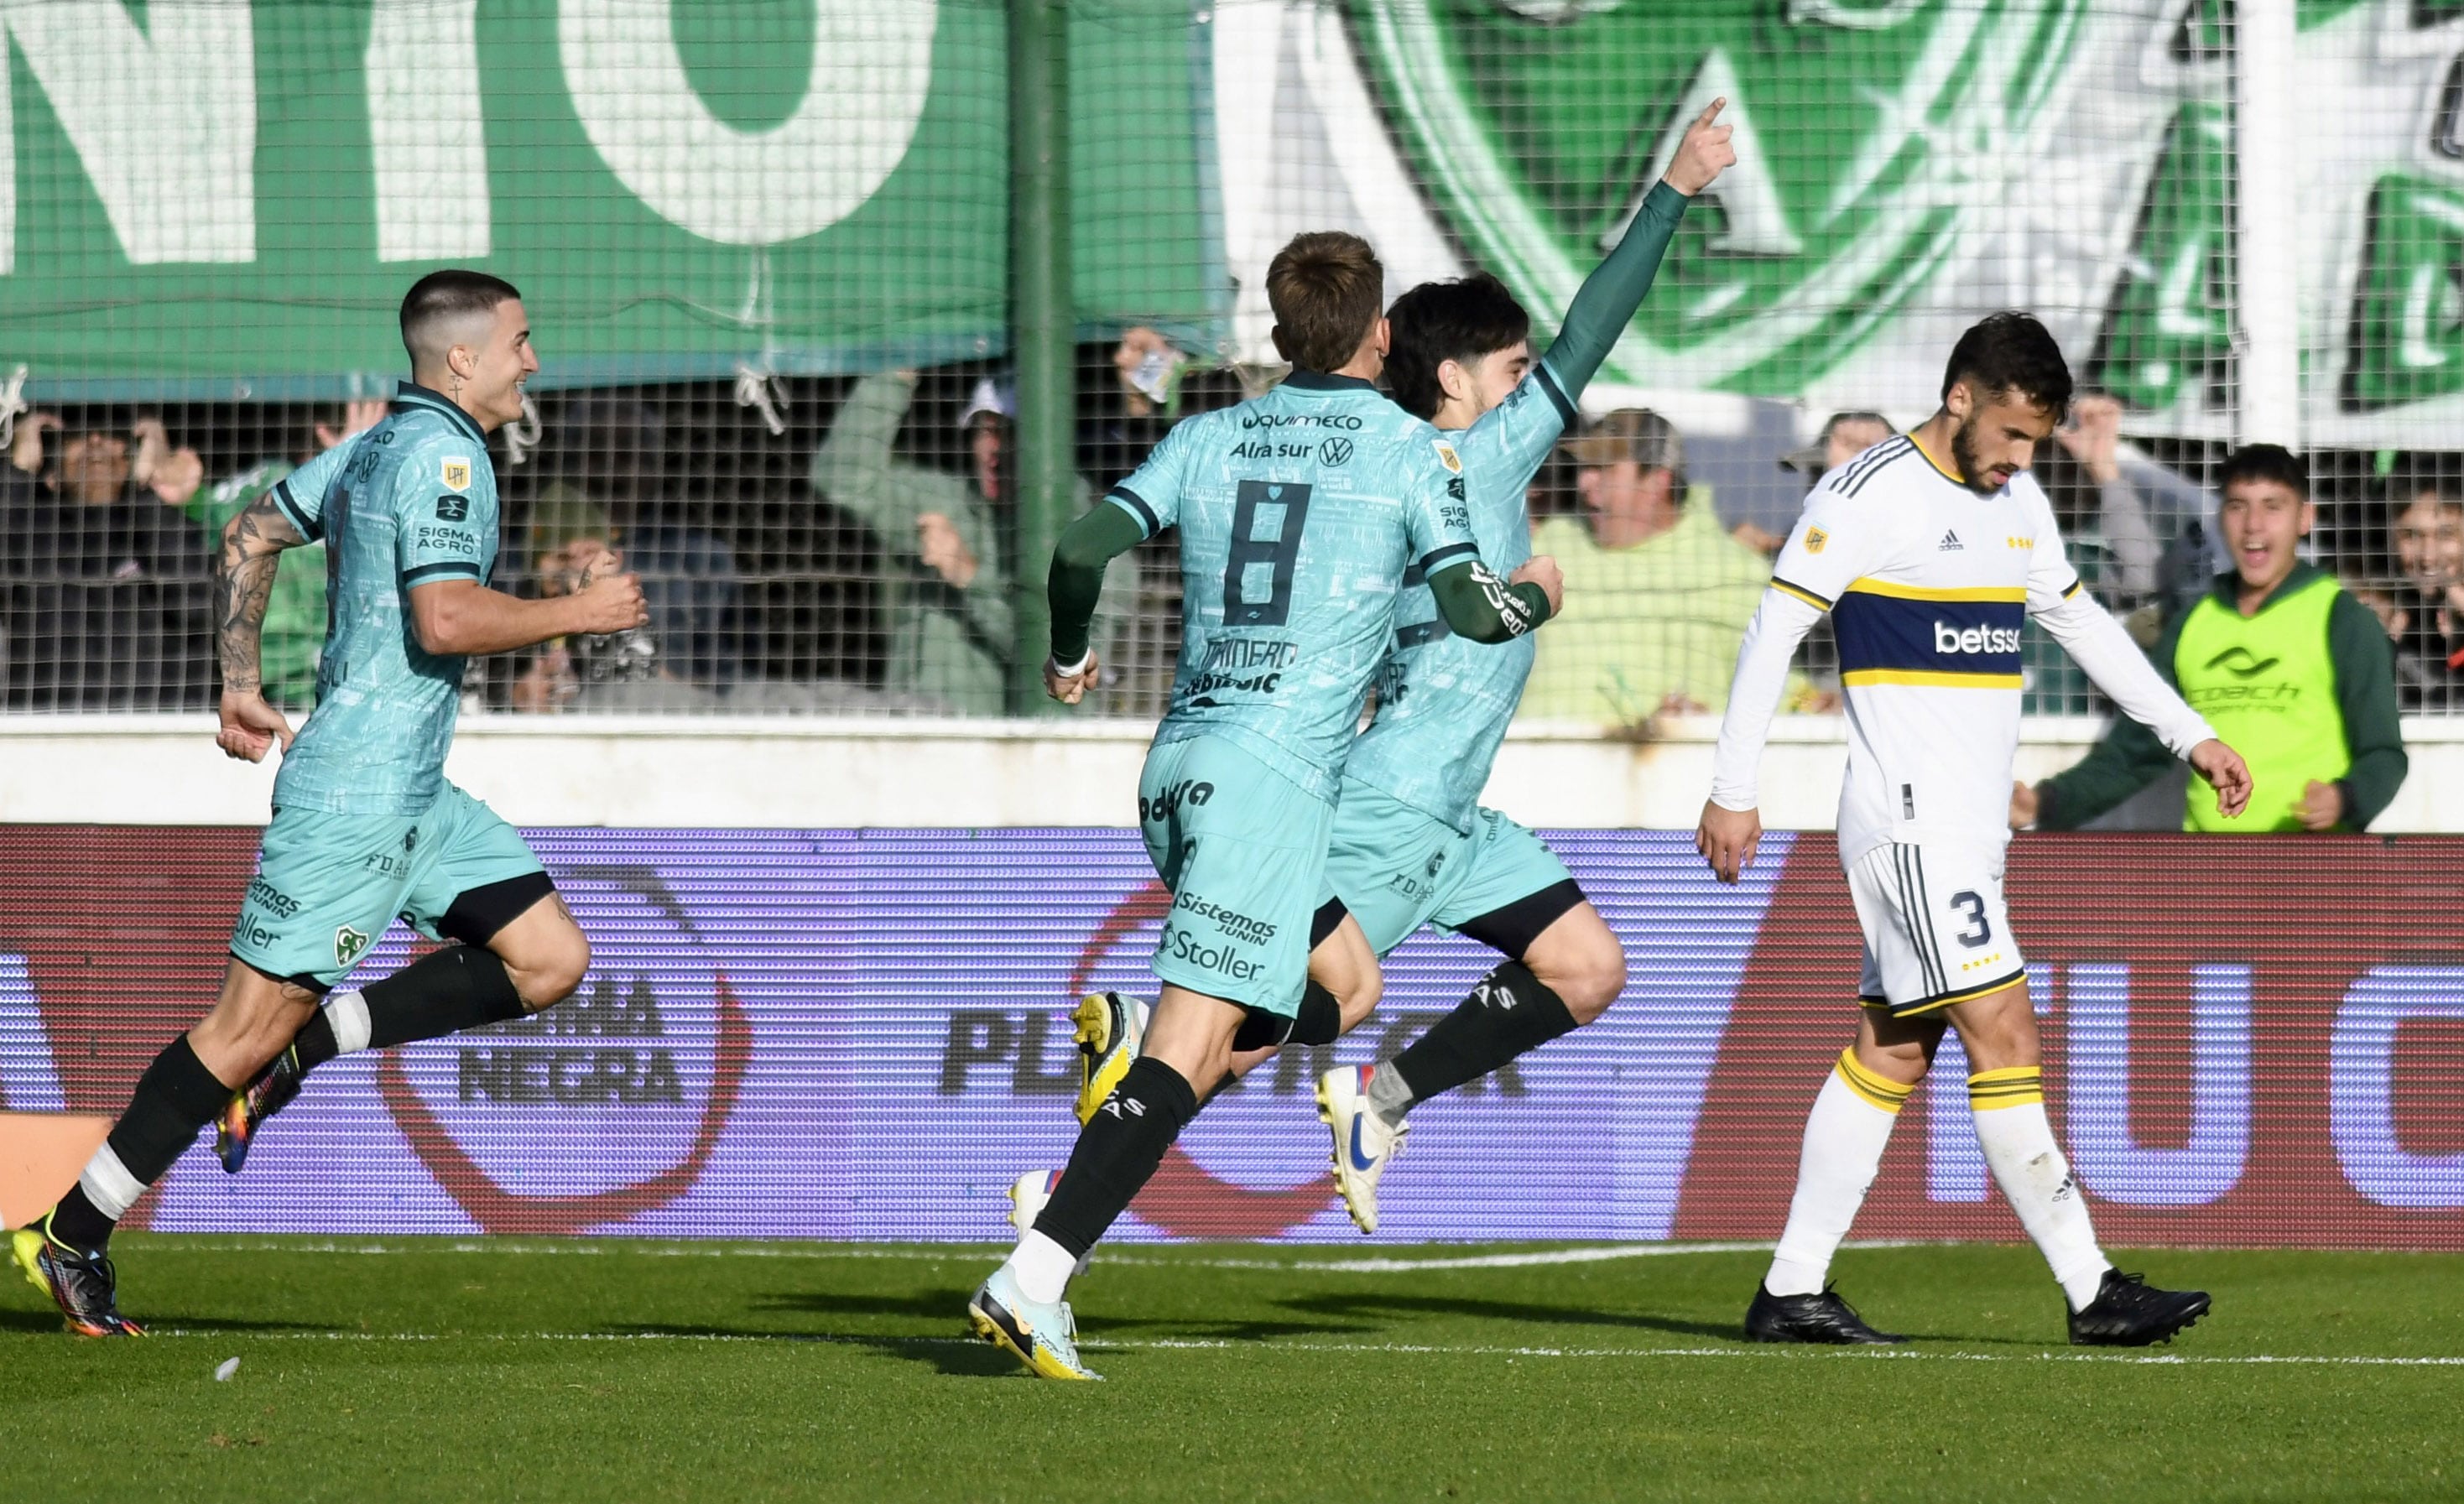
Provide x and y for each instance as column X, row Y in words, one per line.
column 766, row 249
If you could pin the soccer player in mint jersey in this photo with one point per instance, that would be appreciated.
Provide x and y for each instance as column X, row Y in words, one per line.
column 1930, row 551
column 1411, row 843
column 1299, row 514
column 365, row 825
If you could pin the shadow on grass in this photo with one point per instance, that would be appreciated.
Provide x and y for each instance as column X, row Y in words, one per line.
column 1371, row 1305
column 164, row 1323
column 950, row 1305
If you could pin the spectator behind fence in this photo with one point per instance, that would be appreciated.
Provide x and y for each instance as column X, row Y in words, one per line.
column 2291, row 669
column 946, row 597
column 106, row 581
column 1657, row 595
column 2424, row 612
column 570, row 542
column 294, row 611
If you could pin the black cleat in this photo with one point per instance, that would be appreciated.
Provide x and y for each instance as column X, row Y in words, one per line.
column 251, row 1104
column 1824, row 1318
column 2129, row 1311
column 80, row 1284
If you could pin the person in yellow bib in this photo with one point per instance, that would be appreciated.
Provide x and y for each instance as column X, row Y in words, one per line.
column 2284, row 662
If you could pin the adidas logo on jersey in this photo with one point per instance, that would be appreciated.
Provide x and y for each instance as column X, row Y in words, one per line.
column 1950, row 543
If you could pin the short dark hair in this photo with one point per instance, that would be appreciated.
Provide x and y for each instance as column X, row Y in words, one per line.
column 2266, row 462
column 449, row 293
column 2011, row 352
column 1326, row 289
column 1440, row 321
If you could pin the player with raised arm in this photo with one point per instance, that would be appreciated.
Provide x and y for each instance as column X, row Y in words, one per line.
column 1411, row 846
column 1930, row 552
column 365, row 825
column 1299, row 513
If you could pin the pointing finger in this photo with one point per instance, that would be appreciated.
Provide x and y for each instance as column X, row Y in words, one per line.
column 1711, row 111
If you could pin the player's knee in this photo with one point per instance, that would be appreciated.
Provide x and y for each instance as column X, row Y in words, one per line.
column 549, row 977
column 1587, row 978
column 1360, row 993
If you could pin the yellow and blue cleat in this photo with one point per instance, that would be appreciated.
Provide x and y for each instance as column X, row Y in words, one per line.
column 82, row 1285
column 1111, row 1026
column 1043, row 1336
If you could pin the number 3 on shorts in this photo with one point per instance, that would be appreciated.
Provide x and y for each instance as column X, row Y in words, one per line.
column 1980, row 930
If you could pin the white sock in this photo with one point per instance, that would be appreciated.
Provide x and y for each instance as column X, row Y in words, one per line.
column 1846, row 1135
column 1042, row 1268
column 2027, row 1165
column 346, row 1014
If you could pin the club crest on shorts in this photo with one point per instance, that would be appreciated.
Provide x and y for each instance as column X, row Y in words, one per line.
column 349, row 944
column 457, row 472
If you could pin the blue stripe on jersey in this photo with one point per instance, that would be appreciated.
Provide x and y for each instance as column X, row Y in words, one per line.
column 291, row 509
column 1436, row 560
column 1557, row 395
column 1894, row 636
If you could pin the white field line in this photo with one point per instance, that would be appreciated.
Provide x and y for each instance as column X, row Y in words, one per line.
column 1413, row 1349
column 976, row 1251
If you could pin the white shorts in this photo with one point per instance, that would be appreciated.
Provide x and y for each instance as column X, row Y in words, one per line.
column 1936, row 932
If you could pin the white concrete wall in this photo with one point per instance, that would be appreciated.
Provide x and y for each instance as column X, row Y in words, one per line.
column 668, row 770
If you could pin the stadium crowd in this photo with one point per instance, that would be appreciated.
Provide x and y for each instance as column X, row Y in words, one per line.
column 844, row 546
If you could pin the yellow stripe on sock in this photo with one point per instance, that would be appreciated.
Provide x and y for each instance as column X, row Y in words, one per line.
column 1888, row 1095
column 2012, row 1086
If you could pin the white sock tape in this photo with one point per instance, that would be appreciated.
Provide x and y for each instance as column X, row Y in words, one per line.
column 108, row 1185
column 346, row 1014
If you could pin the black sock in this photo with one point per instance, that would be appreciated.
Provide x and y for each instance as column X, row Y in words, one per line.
column 175, row 1098
column 443, row 992
column 1509, row 1013
column 1117, row 1153
column 316, row 1042
column 1320, row 1020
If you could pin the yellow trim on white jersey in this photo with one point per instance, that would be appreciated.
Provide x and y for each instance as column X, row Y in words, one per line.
column 1869, row 586
column 1939, row 469
column 1933, row 678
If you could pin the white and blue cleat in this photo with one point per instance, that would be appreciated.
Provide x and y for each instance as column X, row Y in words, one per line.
column 1363, row 1145
column 1043, row 1336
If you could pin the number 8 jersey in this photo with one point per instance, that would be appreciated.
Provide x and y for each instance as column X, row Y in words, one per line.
column 1299, row 513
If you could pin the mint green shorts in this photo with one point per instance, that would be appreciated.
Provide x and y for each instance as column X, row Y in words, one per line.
column 1243, row 849
column 327, row 885
column 1396, row 868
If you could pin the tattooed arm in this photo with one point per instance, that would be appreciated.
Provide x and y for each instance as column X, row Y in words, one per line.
column 253, row 544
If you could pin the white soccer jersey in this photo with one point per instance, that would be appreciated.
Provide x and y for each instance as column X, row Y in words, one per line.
column 1928, row 585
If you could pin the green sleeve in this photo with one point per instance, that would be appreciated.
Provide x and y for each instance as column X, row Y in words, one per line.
column 1076, row 582
column 2127, row 761
column 1479, row 605
column 1609, row 296
column 854, row 471
column 2364, row 661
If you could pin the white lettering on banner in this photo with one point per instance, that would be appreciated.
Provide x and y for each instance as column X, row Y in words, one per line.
column 163, row 121
column 2104, row 1150
column 2360, row 1086
column 426, row 131
column 871, row 72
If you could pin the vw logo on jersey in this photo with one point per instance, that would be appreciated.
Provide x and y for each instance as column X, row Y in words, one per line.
column 1866, row 132
column 606, row 1106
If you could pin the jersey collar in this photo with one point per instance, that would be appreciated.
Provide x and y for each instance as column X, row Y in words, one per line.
column 1321, row 382
column 410, row 394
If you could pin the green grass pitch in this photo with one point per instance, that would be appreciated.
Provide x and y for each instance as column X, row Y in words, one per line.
column 614, row 1370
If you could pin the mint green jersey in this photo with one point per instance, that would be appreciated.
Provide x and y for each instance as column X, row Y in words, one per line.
column 411, row 501
column 1443, row 701
column 1299, row 513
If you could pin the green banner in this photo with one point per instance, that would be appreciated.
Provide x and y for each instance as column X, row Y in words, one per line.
column 215, row 199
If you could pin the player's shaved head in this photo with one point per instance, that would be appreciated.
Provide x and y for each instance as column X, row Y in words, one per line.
column 444, row 309
column 1439, row 322
column 1327, row 290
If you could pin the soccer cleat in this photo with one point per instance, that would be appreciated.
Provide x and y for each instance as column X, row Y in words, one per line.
column 1043, row 1336
column 1363, row 1145
column 2129, row 1311
column 1824, row 1318
column 80, row 1284
column 251, row 1104
column 1111, row 1028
